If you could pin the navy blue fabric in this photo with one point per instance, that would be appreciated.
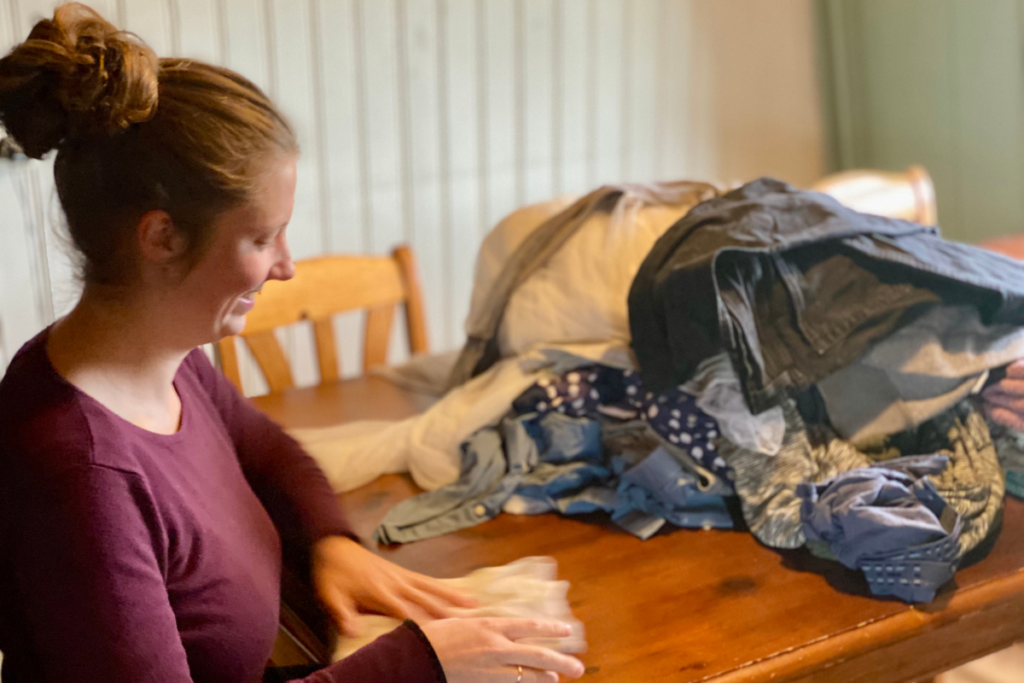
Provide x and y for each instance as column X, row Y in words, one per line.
column 578, row 393
column 795, row 286
column 889, row 521
column 598, row 391
column 673, row 414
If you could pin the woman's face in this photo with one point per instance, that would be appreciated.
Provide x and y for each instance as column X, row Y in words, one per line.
column 248, row 248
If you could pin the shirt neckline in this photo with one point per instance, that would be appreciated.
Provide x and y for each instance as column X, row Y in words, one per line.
column 186, row 419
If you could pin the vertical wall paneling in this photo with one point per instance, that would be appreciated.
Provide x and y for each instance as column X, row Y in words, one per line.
column 338, row 115
column 460, row 33
column 556, row 96
column 519, row 85
column 380, row 76
column 427, row 121
column 23, row 310
column 501, row 119
column 174, row 26
column 538, row 94
column 64, row 285
column 198, row 29
column 450, row 328
column 421, row 114
column 665, row 67
column 482, row 81
column 609, row 101
column 572, row 81
column 383, row 79
column 151, row 20
column 245, row 50
column 294, row 86
column 245, row 40
column 590, row 122
column 642, row 88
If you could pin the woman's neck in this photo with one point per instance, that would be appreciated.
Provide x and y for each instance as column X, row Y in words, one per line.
column 119, row 352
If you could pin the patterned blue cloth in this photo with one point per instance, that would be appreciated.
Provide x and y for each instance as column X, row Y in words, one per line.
column 889, row 521
column 658, row 487
column 596, row 390
column 578, row 393
column 553, row 462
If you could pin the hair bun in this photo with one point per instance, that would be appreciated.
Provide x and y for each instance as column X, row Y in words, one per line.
column 76, row 75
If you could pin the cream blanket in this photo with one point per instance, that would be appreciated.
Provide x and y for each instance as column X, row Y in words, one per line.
column 572, row 311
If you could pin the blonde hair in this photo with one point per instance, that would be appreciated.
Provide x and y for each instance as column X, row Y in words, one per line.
column 134, row 133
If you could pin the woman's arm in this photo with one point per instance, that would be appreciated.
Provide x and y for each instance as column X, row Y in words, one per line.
column 91, row 582
column 306, row 512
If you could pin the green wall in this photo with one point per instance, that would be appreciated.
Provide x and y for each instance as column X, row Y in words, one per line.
column 938, row 83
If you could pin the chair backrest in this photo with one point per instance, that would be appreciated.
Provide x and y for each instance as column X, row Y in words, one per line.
column 909, row 195
column 321, row 288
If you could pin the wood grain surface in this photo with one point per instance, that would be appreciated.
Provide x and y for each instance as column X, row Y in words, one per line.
column 693, row 606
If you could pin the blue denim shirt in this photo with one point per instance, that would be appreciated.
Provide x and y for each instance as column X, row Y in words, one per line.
column 555, row 463
column 889, row 521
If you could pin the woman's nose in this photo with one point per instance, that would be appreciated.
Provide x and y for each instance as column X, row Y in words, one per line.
column 284, row 269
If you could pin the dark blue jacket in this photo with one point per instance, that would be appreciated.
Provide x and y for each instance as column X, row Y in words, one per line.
column 794, row 286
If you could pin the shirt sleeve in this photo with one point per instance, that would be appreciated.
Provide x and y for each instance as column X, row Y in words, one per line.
column 289, row 483
column 92, row 582
column 401, row 656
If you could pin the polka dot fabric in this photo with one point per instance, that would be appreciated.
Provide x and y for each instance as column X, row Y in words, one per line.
column 595, row 391
column 674, row 415
column 579, row 393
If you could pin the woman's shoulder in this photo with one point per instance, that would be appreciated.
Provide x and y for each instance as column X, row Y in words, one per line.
column 46, row 425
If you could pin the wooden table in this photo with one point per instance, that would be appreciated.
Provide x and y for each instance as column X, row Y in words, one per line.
column 690, row 606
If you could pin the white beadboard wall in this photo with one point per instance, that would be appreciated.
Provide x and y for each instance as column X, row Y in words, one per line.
column 426, row 121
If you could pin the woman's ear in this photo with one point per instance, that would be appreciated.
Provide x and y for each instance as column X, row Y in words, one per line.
column 159, row 241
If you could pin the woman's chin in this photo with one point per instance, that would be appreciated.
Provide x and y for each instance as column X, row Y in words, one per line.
column 232, row 325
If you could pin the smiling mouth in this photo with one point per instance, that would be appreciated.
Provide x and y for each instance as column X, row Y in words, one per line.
column 250, row 296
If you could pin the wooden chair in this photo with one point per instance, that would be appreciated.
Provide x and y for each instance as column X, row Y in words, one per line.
column 321, row 288
column 909, row 195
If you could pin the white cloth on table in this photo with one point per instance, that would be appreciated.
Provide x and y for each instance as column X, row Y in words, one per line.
column 526, row 588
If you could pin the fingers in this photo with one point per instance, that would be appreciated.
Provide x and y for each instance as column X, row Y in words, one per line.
column 450, row 595
column 543, row 659
column 1010, row 385
column 532, row 676
column 1005, row 417
column 1015, row 369
column 343, row 612
column 426, row 603
column 514, row 629
column 994, row 396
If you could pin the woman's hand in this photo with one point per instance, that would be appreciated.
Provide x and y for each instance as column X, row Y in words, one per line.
column 1004, row 400
column 485, row 650
column 350, row 579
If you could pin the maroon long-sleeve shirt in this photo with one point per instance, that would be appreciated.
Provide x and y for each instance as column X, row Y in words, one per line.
column 132, row 556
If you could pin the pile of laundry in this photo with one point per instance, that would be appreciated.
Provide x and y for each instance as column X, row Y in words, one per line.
column 654, row 351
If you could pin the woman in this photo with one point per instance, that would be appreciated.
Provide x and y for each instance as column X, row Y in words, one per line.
column 144, row 502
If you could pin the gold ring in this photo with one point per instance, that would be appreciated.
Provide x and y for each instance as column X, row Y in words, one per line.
column 520, row 678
